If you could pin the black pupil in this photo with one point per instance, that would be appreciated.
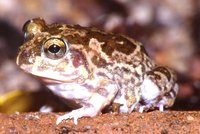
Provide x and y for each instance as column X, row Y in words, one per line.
column 54, row 48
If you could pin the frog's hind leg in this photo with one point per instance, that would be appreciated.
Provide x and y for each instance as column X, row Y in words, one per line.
column 158, row 90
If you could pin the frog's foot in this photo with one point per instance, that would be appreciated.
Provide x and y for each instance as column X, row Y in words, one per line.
column 141, row 109
column 91, row 107
column 75, row 114
column 165, row 102
column 158, row 90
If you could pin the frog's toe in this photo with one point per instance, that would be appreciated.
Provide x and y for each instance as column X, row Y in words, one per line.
column 78, row 113
column 141, row 109
column 61, row 118
column 161, row 108
column 74, row 114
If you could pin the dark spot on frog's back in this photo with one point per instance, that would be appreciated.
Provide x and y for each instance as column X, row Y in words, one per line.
column 112, row 42
column 165, row 71
column 124, row 45
column 54, row 29
column 99, row 62
column 77, row 39
column 118, row 43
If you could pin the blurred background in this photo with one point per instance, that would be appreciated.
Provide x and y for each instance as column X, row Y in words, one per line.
column 169, row 30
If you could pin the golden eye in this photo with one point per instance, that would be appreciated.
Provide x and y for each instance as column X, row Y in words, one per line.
column 55, row 48
column 33, row 27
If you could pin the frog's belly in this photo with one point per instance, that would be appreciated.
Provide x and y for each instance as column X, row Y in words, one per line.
column 70, row 91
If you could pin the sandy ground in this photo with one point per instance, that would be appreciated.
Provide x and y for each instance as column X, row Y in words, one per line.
column 180, row 122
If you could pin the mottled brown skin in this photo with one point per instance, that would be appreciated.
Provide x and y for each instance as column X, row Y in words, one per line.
column 73, row 36
column 102, row 66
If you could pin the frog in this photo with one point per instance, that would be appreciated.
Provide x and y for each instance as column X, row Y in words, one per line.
column 92, row 69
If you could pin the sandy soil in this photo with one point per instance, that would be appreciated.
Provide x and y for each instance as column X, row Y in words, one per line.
column 151, row 122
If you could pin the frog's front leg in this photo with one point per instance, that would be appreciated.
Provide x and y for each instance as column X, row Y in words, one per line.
column 158, row 90
column 92, row 100
column 89, row 109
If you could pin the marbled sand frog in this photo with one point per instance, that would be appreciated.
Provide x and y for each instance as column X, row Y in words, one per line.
column 94, row 69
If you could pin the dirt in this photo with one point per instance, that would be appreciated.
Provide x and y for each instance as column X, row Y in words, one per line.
column 150, row 122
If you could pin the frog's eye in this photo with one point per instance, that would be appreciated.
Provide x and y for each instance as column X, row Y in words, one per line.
column 31, row 27
column 55, row 48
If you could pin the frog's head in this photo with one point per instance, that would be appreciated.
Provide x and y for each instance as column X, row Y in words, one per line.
column 46, row 53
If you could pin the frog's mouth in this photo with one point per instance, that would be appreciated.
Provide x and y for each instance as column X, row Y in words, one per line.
column 51, row 81
column 51, row 77
column 55, row 78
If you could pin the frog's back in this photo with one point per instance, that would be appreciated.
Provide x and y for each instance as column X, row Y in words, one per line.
column 105, row 48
